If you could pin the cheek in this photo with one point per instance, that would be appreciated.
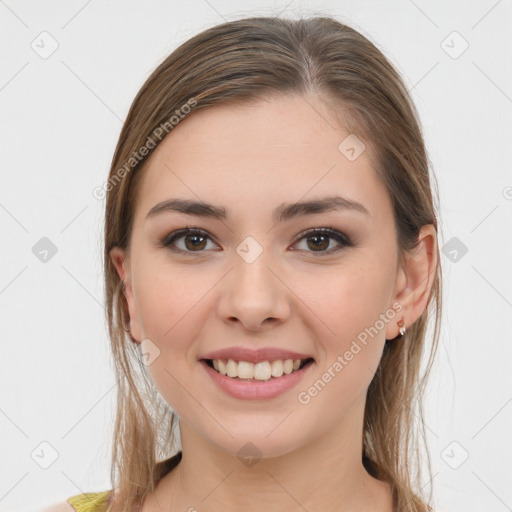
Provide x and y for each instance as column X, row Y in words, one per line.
column 171, row 316
column 166, row 297
column 353, row 308
column 355, row 299
column 352, row 352
column 173, row 307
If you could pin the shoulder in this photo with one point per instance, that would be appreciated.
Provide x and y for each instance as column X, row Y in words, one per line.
column 86, row 502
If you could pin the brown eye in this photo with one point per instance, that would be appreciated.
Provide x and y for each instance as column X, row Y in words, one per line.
column 194, row 240
column 319, row 240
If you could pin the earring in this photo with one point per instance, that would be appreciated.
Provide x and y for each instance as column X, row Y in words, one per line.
column 401, row 326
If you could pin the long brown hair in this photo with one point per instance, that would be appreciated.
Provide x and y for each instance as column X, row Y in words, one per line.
column 243, row 61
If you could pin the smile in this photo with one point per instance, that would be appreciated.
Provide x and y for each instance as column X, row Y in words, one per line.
column 275, row 377
column 262, row 371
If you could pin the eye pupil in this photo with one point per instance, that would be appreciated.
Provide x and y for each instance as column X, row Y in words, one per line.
column 323, row 237
column 195, row 237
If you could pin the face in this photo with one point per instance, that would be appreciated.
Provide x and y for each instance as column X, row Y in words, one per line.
column 260, row 279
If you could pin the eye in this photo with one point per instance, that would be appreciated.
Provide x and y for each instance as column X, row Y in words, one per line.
column 320, row 239
column 194, row 240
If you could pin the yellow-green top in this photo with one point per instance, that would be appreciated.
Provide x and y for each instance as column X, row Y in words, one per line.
column 99, row 501
column 90, row 502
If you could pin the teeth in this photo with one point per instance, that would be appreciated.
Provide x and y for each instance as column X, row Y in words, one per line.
column 231, row 368
column 277, row 368
column 288, row 366
column 245, row 370
column 264, row 370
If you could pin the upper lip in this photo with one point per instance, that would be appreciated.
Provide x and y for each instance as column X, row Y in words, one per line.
column 255, row 355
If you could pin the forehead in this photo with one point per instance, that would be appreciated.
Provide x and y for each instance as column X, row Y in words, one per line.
column 259, row 155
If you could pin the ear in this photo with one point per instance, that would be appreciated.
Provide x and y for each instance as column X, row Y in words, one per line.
column 121, row 262
column 415, row 279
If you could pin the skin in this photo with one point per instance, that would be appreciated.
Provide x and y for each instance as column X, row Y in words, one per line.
column 251, row 159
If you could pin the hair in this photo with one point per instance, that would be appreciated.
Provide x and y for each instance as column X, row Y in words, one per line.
column 248, row 60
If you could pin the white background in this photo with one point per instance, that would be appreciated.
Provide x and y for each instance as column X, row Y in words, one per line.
column 60, row 120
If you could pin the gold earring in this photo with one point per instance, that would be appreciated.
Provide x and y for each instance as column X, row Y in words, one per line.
column 401, row 326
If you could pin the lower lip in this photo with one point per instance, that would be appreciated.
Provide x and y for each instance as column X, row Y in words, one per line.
column 256, row 390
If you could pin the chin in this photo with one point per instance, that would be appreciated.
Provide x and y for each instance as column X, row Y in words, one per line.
column 254, row 442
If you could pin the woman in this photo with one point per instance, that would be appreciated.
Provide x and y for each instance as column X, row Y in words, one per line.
column 271, row 260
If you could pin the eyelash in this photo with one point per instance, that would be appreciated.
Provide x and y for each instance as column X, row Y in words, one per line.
column 330, row 232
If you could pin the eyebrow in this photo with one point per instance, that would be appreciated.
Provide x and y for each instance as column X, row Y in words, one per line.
column 280, row 214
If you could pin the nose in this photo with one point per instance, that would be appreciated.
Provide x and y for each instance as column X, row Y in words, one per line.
column 253, row 295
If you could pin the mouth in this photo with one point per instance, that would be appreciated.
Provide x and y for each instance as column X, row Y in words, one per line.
column 257, row 372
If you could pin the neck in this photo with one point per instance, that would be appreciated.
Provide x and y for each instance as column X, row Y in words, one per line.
column 326, row 474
